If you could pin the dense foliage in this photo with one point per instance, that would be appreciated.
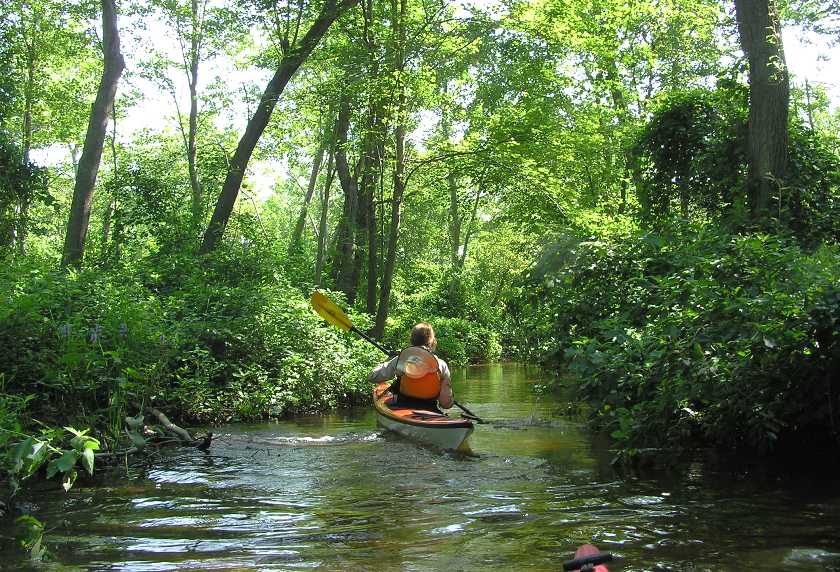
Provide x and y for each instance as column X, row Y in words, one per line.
column 695, row 334
column 101, row 343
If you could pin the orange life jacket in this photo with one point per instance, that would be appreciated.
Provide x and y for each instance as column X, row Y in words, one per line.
column 422, row 381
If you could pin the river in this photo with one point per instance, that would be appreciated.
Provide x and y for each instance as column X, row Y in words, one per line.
column 331, row 492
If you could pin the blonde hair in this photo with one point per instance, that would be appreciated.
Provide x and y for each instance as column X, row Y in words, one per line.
column 423, row 334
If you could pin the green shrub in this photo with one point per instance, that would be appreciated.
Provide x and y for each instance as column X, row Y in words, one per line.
column 80, row 343
column 467, row 329
column 729, row 339
column 257, row 349
column 200, row 340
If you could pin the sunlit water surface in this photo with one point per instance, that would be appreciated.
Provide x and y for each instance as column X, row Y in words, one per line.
column 333, row 493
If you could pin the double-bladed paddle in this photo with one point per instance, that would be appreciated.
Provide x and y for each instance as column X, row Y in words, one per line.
column 328, row 310
column 334, row 315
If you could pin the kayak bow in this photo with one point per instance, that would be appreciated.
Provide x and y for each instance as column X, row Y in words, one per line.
column 588, row 559
column 424, row 426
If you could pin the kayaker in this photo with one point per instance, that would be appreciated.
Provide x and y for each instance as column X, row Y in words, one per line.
column 422, row 379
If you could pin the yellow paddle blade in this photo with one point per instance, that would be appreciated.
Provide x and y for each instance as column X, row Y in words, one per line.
column 330, row 312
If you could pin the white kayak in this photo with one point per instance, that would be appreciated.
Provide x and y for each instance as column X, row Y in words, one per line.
column 423, row 426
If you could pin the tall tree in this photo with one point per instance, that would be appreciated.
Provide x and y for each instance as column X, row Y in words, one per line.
column 192, row 58
column 398, row 9
column 31, row 40
column 295, row 53
column 325, row 208
column 202, row 30
column 297, row 233
column 44, row 83
column 767, row 132
column 356, row 252
column 77, row 226
column 345, row 250
column 373, row 150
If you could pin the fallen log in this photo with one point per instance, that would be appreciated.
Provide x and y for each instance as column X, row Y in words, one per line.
column 144, row 436
column 183, row 434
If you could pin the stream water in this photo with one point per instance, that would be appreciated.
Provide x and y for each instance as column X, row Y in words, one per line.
column 334, row 493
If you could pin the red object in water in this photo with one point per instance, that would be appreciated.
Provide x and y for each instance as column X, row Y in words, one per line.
column 590, row 550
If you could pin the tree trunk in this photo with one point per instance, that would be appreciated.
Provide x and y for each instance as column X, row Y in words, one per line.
column 393, row 233
column 454, row 218
column 455, row 221
column 366, row 251
column 192, row 80
column 346, row 233
column 767, row 132
column 256, row 125
column 29, row 95
column 109, row 210
column 471, row 224
column 809, row 108
column 322, row 227
column 74, row 157
column 683, row 191
column 362, row 223
column 461, row 257
column 297, row 233
column 631, row 162
column 77, row 226
column 371, row 181
column 452, row 184
column 373, row 256
column 373, row 164
column 399, row 170
column 106, row 226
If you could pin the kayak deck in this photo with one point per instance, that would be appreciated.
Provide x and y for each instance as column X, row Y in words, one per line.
column 425, row 426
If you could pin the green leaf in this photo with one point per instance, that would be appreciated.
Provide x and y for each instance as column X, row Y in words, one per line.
column 67, row 461
column 29, row 523
column 133, row 373
column 76, row 432
column 87, row 460
column 134, row 422
column 39, row 454
column 84, row 442
column 38, row 550
column 137, row 438
column 22, row 449
column 52, row 468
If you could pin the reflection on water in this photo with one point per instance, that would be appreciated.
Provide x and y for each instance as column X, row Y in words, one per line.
column 333, row 493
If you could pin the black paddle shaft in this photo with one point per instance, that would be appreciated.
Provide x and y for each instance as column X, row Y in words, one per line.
column 587, row 562
column 381, row 348
column 468, row 412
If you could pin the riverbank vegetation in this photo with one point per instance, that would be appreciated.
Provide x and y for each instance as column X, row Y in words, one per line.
column 647, row 201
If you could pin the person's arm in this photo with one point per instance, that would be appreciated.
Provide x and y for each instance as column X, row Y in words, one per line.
column 446, row 397
column 384, row 371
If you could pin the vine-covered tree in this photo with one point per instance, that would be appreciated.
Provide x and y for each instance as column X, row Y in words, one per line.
column 760, row 31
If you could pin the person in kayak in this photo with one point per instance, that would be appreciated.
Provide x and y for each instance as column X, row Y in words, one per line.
column 422, row 379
